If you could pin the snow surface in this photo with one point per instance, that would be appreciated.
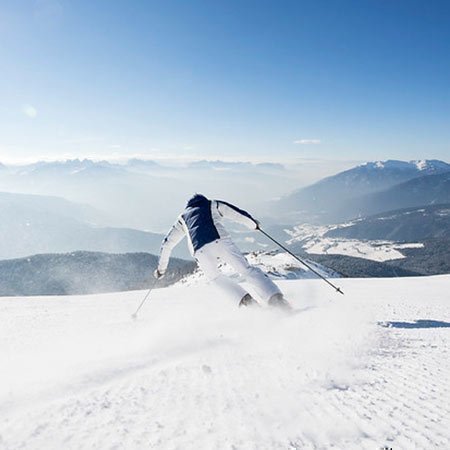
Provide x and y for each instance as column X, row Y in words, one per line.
column 196, row 372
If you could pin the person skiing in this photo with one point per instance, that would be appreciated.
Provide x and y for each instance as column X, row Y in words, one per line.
column 209, row 243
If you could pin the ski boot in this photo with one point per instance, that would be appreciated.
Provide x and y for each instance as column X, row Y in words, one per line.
column 248, row 300
column 278, row 301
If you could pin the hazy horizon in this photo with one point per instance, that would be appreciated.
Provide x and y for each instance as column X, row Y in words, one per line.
column 151, row 197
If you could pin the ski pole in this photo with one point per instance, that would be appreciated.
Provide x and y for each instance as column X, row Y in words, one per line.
column 134, row 315
column 338, row 289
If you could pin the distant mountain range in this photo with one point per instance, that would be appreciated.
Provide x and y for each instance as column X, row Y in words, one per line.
column 85, row 273
column 419, row 191
column 393, row 200
column 368, row 189
column 32, row 224
column 78, row 166
column 47, row 205
column 68, row 167
column 145, row 194
column 84, row 168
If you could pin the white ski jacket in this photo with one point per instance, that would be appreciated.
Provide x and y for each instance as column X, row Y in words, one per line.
column 201, row 222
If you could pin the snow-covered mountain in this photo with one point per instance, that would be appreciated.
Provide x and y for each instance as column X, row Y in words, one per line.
column 70, row 167
column 364, row 370
column 432, row 166
column 425, row 190
column 84, row 167
column 426, row 166
column 343, row 195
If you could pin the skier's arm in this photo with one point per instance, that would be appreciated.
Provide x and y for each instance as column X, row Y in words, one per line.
column 231, row 212
column 173, row 237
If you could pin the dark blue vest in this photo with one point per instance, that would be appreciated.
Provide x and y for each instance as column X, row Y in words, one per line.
column 199, row 222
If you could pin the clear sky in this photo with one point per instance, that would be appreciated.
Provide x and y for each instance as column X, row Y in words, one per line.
column 224, row 79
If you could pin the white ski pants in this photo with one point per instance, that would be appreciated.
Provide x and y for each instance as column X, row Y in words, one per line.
column 224, row 250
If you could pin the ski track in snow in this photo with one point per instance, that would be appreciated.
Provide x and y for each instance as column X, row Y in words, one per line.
column 195, row 372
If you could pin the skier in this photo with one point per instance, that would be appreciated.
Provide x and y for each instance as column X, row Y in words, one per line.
column 209, row 243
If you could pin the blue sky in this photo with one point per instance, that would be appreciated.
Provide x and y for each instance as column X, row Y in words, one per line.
column 269, row 80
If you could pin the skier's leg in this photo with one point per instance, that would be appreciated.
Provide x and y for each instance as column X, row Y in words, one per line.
column 231, row 254
column 207, row 260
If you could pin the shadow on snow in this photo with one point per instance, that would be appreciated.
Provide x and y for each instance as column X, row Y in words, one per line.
column 416, row 324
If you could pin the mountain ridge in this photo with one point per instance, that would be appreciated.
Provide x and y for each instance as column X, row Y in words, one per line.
column 341, row 196
column 49, row 224
column 406, row 224
column 83, row 272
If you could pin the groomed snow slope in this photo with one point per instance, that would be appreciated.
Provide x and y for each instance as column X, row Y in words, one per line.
column 195, row 372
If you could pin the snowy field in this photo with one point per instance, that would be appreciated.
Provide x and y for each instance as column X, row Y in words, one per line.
column 373, row 250
column 314, row 241
column 361, row 371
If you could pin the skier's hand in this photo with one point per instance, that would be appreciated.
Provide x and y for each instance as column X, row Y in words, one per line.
column 257, row 224
column 157, row 274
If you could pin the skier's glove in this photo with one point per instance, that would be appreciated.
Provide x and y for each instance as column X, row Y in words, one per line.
column 257, row 224
column 157, row 274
